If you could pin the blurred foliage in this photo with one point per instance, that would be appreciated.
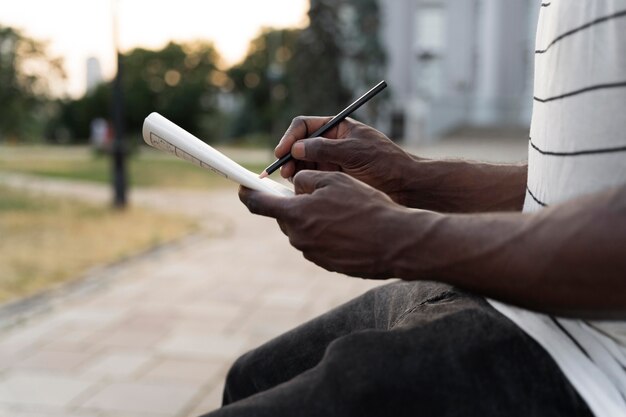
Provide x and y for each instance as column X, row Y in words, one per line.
column 262, row 83
column 319, row 89
column 180, row 81
column 338, row 56
column 316, row 70
column 26, row 74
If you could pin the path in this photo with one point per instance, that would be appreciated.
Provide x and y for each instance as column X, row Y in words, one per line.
column 157, row 336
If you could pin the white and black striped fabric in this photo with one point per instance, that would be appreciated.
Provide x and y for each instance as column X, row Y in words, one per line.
column 577, row 146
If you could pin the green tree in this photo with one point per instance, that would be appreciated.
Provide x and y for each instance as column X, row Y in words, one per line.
column 318, row 86
column 27, row 77
column 263, row 82
column 180, row 81
column 75, row 115
column 337, row 57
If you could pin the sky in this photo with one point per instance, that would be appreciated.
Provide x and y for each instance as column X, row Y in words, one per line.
column 78, row 29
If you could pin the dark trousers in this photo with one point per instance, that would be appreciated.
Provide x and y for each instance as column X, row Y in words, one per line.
column 403, row 349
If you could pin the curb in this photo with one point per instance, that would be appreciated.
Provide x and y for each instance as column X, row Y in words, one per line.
column 18, row 312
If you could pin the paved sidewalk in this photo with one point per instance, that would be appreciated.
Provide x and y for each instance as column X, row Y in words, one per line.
column 158, row 333
column 156, row 339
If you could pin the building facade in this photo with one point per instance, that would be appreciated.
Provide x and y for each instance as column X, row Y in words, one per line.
column 93, row 74
column 453, row 63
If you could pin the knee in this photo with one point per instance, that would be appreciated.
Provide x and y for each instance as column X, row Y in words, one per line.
column 239, row 382
column 359, row 360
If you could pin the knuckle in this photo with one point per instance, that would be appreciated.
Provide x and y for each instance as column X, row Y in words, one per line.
column 297, row 122
column 296, row 131
column 283, row 227
column 295, row 241
column 309, row 256
column 253, row 204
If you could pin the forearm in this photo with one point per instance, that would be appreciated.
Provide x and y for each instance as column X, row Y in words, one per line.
column 457, row 186
column 568, row 260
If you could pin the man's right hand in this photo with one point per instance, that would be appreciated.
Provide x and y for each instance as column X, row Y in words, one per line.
column 352, row 147
column 368, row 155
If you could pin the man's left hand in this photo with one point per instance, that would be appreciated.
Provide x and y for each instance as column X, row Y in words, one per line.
column 339, row 223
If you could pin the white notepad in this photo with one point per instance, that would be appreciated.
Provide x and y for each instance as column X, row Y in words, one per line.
column 162, row 134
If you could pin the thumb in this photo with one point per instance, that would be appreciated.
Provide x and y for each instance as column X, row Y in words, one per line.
column 334, row 151
column 264, row 204
column 306, row 182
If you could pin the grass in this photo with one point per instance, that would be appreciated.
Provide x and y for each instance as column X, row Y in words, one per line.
column 148, row 169
column 45, row 241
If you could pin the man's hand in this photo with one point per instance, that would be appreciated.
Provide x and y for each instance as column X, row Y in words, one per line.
column 358, row 150
column 337, row 222
column 368, row 155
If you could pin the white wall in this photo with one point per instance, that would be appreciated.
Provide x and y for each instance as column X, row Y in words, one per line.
column 486, row 67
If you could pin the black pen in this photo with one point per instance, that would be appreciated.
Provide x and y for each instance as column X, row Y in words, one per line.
column 331, row 123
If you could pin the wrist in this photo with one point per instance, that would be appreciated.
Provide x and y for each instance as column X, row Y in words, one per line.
column 404, row 180
column 458, row 186
column 438, row 246
column 421, row 185
column 466, row 250
column 417, row 249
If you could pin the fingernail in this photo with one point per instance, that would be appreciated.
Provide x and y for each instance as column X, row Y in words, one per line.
column 297, row 150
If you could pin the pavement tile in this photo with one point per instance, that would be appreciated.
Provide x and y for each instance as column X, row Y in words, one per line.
column 10, row 357
column 70, row 340
column 43, row 411
column 185, row 370
column 110, row 302
column 232, row 293
column 22, row 338
column 88, row 318
column 173, row 269
column 130, row 289
column 26, row 388
column 212, row 400
column 68, row 335
column 53, row 360
column 117, row 364
column 157, row 321
column 281, row 297
column 204, row 345
column 268, row 322
column 141, row 397
column 196, row 325
column 211, row 316
column 127, row 337
column 150, row 314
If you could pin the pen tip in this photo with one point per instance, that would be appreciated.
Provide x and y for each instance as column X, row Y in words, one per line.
column 263, row 174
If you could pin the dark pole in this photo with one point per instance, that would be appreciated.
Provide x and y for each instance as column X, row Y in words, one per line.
column 119, row 147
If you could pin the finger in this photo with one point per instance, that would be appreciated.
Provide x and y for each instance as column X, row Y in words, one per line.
column 264, row 204
column 283, row 227
column 301, row 127
column 292, row 167
column 288, row 170
column 306, row 182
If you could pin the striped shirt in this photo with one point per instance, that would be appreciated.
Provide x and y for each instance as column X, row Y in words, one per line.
column 577, row 146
